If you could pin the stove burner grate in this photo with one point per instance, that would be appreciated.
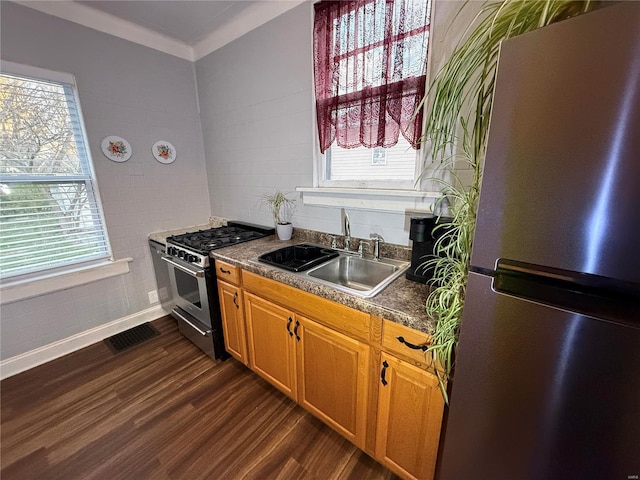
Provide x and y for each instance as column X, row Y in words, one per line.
column 203, row 241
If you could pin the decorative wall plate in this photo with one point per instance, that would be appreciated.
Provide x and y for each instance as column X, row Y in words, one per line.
column 116, row 148
column 163, row 151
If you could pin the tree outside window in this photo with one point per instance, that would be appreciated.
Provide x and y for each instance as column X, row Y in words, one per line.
column 49, row 214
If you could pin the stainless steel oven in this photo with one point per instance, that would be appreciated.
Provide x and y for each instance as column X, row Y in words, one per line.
column 193, row 281
column 190, row 287
column 196, row 307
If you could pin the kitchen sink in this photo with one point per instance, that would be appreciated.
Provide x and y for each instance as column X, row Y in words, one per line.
column 356, row 275
column 346, row 272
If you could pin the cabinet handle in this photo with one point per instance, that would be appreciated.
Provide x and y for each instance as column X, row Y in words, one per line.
column 228, row 272
column 288, row 327
column 383, row 373
column 235, row 300
column 412, row 346
column 295, row 330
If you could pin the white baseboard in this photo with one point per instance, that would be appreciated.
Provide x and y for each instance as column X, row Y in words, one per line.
column 25, row 361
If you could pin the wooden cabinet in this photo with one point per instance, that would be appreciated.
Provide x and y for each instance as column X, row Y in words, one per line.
column 227, row 272
column 409, row 417
column 232, row 311
column 324, row 370
column 406, row 343
column 332, row 360
column 272, row 348
column 333, row 378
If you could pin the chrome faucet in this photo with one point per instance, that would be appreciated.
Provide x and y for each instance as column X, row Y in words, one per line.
column 346, row 229
column 376, row 245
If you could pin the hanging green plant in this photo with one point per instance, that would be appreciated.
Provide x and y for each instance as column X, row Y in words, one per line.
column 460, row 99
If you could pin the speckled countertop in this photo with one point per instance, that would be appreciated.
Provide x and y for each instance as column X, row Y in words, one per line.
column 402, row 301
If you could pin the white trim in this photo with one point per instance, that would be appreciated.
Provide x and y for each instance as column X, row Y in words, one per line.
column 105, row 22
column 25, row 361
column 370, row 199
column 82, row 14
column 250, row 19
column 36, row 73
column 42, row 284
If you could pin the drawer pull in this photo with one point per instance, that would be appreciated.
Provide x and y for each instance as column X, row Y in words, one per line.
column 295, row 330
column 228, row 272
column 383, row 373
column 422, row 347
column 288, row 327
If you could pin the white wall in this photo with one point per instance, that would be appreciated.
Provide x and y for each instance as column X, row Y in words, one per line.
column 256, row 101
column 256, row 130
column 140, row 94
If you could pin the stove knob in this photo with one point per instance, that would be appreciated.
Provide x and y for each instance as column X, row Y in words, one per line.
column 171, row 251
column 181, row 254
column 190, row 258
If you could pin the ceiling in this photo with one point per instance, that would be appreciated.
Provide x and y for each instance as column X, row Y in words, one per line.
column 188, row 29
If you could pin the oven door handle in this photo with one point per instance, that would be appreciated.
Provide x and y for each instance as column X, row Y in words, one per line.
column 195, row 327
column 193, row 273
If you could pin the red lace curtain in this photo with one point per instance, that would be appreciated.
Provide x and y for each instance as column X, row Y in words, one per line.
column 370, row 71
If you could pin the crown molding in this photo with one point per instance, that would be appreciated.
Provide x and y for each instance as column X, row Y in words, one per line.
column 251, row 18
column 112, row 25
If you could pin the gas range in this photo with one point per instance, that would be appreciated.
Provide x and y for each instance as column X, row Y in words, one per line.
column 193, row 281
column 194, row 247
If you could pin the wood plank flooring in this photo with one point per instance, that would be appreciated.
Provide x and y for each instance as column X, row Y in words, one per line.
column 163, row 410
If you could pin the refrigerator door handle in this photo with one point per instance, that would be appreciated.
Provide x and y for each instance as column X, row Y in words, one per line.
column 600, row 297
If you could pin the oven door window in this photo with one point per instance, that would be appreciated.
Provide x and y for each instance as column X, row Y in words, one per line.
column 188, row 288
column 190, row 291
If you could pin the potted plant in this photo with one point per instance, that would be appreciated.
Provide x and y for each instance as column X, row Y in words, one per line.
column 280, row 206
column 460, row 99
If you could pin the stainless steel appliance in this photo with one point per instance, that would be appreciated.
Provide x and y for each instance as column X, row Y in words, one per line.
column 162, row 275
column 547, row 376
column 193, row 281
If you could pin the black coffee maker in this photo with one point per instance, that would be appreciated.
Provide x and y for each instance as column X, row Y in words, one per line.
column 421, row 232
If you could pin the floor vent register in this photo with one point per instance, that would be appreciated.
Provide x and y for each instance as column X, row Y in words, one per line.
column 131, row 338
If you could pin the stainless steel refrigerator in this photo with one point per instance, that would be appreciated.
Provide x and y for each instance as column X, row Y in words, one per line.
column 547, row 377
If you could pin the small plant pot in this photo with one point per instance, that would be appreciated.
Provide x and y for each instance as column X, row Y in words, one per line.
column 285, row 230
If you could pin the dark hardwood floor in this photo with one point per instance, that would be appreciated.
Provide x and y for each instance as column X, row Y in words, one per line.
column 163, row 410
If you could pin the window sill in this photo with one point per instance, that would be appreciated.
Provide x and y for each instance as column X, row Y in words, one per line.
column 33, row 287
column 397, row 201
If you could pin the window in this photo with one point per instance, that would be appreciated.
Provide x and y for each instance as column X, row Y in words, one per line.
column 370, row 60
column 50, row 215
column 371, row 167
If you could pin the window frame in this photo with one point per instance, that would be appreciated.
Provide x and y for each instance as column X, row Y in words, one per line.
column 371, row 188
column 323, row 159
column 79, row 268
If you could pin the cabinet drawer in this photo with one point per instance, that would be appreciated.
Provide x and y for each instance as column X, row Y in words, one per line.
column 405, row 342
column 227, row 272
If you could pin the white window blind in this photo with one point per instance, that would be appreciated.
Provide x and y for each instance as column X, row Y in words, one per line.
column 50, row 216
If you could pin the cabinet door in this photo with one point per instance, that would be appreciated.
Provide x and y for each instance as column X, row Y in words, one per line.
column 333, row 378
column 410, row 408
column 235, row 337
column 271, row 343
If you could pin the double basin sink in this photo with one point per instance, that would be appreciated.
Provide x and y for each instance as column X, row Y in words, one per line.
column 343, row 271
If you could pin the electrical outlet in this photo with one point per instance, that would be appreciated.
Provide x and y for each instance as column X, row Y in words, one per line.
column 153, row 297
